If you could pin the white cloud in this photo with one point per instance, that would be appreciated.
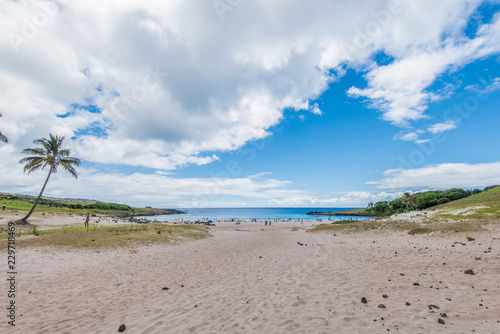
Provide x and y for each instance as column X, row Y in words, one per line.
column 460, row 175
column 351, row 199
column 160, row 188
column 408, row 136
column 485, row 88
column 170, row 91
column 441, row 127
column 400, row 89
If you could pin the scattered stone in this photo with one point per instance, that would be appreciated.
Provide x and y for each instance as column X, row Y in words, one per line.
column 381, row 306
column 182, row 285
column 364, row 301
column 469, row 272
column 433, row 306
column 165, row 288
column 441, row 321
column 416, row 284
column 444, row 315
column 260, row 257
column 196, row 306
column 122, row 328
column 385, row 296
column 407, row 304
column 478, row 259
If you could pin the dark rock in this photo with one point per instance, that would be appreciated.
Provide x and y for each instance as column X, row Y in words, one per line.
column 469, row 272
column 433, row 306
column 260, row 257
column 385, row 296
column 407, row 304
column 165, row 288
column 443, row 315
column 478, row 259
column 416, row 284
column 441, row 321
column 364, row 301
column 122, row 328
column 381, row 306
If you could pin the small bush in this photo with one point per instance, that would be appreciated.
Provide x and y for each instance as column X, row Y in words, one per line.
column 420, row 231
column 15, row 198
column 470, row 239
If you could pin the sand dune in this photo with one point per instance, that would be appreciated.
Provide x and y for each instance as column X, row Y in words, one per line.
column 261, row 280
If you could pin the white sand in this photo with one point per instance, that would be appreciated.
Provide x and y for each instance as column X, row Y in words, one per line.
column 259, row 280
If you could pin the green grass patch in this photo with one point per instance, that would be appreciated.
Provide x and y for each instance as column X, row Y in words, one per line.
column 97, row 237
column 490, row 198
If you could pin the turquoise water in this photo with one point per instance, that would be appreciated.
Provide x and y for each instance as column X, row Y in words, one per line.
column 215, row 214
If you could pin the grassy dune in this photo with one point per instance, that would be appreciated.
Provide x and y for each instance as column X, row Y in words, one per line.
column 466, row 215
column 99, row 237
column 489, row 198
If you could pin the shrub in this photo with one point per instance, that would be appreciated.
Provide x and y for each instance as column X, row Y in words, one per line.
column 420, row 231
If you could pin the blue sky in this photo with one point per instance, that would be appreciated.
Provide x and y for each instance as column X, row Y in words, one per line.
column 322, row 104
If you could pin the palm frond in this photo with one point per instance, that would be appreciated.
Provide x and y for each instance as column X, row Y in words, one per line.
column 64, row 153
column 3, row 138
column 33, row 165
column 70, row 169
column 49, row 154
column 34, row 151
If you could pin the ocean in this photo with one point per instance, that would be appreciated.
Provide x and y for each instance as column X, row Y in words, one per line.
column 216, row 214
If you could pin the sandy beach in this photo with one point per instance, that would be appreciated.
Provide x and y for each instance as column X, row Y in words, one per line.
column 252, row 278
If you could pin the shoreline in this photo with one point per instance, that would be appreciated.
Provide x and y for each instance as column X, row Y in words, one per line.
column 250, row 278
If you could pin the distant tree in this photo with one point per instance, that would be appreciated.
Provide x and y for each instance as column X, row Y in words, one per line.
column 409, row 200
column 370, row 205
column 382, row 207
column 2, row 137
column 48, row 154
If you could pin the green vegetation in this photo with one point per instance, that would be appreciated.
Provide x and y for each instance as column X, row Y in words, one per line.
column 420, row 230
column 98, row 206
column 490, row 197
column 23, row 203
column 408, row 202
column 98, row 237
column 420, row 201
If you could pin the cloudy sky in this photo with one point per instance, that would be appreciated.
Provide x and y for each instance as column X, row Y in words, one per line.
column 202, row 103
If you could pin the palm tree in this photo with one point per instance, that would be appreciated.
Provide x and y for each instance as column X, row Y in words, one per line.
column 409, row 200
column 49, row 154
column 2, row 137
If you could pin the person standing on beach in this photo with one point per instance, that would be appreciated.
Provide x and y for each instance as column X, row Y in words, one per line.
column 4, row 206
column 87, row 218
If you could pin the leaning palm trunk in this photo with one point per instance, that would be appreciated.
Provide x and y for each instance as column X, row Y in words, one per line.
column 39, row 196
column 49, row 153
